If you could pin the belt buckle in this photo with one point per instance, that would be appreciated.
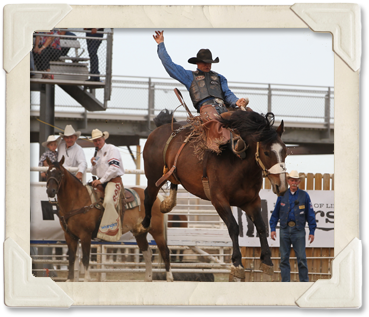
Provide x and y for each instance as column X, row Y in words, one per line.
column 291, row 224
column 219, row 101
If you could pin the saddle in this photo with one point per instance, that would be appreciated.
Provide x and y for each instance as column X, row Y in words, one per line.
column 216, row 135
column 127, row 194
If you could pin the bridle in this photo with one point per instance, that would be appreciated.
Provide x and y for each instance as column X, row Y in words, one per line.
column 66, row 215
column 58, row 182
column 278, row 168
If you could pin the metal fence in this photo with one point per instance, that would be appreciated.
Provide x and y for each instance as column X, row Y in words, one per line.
column 148, row 96
column 120, row 263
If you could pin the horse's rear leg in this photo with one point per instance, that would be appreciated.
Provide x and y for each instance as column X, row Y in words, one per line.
column 225, row 212
column 147, row 255
column 72, row 249
column 164, row 252
column 169, row 203
column 254, row 212
column 86, row 247
column 151, row 192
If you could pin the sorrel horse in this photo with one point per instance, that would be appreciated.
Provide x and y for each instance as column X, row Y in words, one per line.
column 232, row 181
column 73, row 196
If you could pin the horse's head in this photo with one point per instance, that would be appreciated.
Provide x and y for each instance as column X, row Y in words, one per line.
column 54, row 177
column 271, row 157
column 270, row 151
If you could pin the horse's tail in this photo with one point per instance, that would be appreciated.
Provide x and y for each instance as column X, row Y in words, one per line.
column 164, row 117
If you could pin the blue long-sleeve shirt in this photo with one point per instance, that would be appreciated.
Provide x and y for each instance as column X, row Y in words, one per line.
column 291, row 216
column 185, row 76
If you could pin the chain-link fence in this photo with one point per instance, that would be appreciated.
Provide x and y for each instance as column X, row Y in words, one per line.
column 143, row 95
column 68, row 54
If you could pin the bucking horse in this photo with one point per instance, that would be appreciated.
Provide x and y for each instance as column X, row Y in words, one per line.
column 223, row 178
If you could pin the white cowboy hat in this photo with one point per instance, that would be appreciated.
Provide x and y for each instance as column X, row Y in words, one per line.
column 293, row 174
column 50, row 139
column 68, row 131
column 95, row 134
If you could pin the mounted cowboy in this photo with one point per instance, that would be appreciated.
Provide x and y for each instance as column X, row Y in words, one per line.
column 208, row 90
column 107, row 165
column 72, row 152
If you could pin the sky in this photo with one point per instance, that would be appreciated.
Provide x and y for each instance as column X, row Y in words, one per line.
column 295, row 56
column 277, row 56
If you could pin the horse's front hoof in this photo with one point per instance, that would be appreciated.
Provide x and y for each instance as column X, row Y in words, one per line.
column 237, row 274
column 267, row 269
column 148, row 278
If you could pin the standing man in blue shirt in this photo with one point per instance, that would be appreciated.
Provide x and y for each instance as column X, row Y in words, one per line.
column 293, row 210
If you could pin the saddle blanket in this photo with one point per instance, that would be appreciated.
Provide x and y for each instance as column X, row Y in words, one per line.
column 136, row 202
column 111, row 223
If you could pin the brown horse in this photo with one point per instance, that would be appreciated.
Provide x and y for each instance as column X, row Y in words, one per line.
column 73, row 196
column 232, row 181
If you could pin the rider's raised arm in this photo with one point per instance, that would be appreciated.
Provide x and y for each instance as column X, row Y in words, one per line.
column 174, row 70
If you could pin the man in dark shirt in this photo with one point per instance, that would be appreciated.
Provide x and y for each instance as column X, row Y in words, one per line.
column 293, row 210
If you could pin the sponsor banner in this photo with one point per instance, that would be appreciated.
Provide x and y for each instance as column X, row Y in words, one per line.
column 323, row 205
column 44, row 220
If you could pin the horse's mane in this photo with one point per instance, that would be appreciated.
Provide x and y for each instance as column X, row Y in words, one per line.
column 165, row 116
column 56, row 164
column 253, row 125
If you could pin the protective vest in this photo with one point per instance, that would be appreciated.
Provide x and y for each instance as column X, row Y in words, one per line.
column 205, row 85
column 299, row 209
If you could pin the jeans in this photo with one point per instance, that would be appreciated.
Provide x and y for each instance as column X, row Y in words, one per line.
column 42, row 61
column 92, row 47
column 288, row 236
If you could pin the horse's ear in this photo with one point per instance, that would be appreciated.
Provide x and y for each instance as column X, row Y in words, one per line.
column 48, row 161
column 280, row 129
column 61, row 162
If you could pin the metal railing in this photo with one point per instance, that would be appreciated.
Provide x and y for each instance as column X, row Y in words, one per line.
column 111, row 262
column 147, row 96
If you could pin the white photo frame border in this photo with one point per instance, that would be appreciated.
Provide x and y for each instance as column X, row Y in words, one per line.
column 22, row 289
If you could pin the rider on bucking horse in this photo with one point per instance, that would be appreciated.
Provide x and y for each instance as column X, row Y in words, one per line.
column 208, row 90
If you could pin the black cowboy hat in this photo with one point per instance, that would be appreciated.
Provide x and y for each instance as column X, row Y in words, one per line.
column 203, row 56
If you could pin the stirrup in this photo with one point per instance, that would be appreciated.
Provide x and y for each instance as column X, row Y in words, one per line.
column 239, row 147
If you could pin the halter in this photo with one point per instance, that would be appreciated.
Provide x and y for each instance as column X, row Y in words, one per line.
column 278, row 168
